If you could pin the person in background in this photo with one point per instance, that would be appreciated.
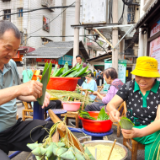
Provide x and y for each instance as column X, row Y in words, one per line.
column 90, row 83
column 98, row 74
column 27, row 75
column 79, row 60
column 142, row 96
column 110, row 75
column 94, row 72
column 101, row 77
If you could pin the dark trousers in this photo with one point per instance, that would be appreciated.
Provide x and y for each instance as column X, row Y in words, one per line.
column 96, row 106
column 80, row 81
column 54, row 104
column 16, row 138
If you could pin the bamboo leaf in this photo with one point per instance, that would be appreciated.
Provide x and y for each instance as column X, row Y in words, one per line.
column 44, row 81
column 126, row 123
column 55, row 70
column 50, row 70
column 65, row 67
column 45, row 68
column 81, row 72
column 102, row 115
column 86, row 115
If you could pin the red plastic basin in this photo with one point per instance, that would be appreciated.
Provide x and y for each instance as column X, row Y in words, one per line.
column 96, row 126
column 62, row 83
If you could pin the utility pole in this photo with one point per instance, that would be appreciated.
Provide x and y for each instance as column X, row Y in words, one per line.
column 115, row 36
column 76, row 32
column 141, row 36
column 64, row 22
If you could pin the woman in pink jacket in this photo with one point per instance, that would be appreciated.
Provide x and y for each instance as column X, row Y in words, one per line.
column 111, row 77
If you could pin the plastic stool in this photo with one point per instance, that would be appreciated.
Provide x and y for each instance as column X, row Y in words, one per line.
column 58, row 112
column 97, row 136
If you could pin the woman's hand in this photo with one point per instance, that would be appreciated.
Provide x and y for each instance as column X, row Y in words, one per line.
column 134, row 132
column 114, row 115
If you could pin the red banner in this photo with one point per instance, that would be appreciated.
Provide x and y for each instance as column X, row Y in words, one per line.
column 53, row 61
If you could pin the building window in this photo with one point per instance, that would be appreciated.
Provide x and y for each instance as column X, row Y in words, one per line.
column 131, row 14
column 45, row 41
column 20, row 12
column 7, row 15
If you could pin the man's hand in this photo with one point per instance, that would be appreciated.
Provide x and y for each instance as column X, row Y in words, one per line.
column 46, row 100
column 134, row 132
column 114, row 115
column 31, row 88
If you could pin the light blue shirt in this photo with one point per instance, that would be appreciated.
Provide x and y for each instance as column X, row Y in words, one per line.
column 27, row 75
column 8, row 111
column 92, row 86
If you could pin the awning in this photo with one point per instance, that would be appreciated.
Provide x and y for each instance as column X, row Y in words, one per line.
column 98, row 58
column 148, row 16
column 25, row 49
column 57, row 50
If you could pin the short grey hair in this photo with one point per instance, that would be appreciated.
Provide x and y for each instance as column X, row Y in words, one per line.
column 5, row 26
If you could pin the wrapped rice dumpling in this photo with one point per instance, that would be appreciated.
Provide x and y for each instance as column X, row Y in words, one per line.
column 126, row 123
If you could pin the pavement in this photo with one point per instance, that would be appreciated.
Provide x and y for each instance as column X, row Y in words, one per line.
column 112, row 137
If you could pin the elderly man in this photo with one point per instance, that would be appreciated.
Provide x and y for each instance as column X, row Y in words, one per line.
column 15, row 134
column 142, row 96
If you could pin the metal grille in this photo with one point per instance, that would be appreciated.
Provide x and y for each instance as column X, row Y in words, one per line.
column 131, row 14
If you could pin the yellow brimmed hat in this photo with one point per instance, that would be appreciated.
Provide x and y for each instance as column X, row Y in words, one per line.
column 146, row 67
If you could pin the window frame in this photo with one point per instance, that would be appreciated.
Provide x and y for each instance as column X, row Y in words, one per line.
column 20, row 12
column 5, row 14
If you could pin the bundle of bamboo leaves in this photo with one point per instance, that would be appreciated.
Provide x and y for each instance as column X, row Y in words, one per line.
column 77, row 71
column 73, row 95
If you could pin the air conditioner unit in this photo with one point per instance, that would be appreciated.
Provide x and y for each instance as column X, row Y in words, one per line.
column 44, row 3
column 48, row 3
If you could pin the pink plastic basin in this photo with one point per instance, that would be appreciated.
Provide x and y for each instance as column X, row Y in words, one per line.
column 71, row 106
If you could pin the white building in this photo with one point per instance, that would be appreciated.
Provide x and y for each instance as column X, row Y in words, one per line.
column 31, row 24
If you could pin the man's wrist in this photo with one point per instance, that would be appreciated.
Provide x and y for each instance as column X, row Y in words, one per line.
column 18, row 90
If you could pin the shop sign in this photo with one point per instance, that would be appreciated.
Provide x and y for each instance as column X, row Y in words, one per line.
column 155, row 51
column 53, row 61
column 155, row 28
column 94, row 11
column 46, row 24
column 64, row 59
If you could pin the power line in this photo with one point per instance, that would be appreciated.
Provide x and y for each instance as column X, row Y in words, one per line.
column 65, row 36
column 57, row 7
column 48, row 23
